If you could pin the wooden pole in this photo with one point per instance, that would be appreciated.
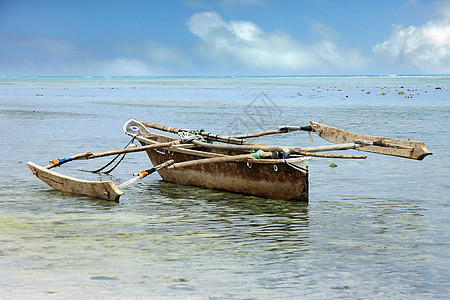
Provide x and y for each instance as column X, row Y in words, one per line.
column 234, row 158
column 281, row 129
column 145, row 173
column 90, row 155
column 258, row 134
column 247, row 146
column 289, row 150
column 204, row 134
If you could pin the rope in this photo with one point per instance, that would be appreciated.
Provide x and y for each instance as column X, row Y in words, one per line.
column 115, row 157
column 187, row 137
column 115, row 166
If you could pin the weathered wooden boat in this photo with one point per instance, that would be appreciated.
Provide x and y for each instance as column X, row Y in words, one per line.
column 233, row 165
column 269, row 177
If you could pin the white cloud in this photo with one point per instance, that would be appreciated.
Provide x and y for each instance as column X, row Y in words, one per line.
column 234, row 47
column 243, row 44
column 423, row 48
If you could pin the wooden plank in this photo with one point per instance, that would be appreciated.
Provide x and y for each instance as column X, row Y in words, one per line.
column 100, row 189
column 380, row 145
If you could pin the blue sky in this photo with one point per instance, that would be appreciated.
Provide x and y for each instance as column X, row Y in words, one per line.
column 224, row 37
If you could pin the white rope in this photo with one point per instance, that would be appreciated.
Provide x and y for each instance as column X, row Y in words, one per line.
column 187, row 137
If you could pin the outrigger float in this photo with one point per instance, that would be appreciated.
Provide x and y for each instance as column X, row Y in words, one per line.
column 230, row 163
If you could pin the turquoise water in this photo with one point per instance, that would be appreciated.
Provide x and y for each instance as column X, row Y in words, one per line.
column 373, row 229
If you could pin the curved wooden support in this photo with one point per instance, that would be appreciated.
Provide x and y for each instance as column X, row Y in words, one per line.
column 380, row 145
column 100, row 189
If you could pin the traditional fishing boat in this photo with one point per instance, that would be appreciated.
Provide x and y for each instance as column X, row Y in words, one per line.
column 230, row 163
column 225, row 168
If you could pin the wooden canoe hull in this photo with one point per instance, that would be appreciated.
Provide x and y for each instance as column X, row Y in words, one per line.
column 100, row 189
column 266, row 178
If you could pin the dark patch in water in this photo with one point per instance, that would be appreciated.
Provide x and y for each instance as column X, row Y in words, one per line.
column 103, row 278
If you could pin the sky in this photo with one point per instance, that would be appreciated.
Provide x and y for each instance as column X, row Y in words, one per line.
column 224, row 37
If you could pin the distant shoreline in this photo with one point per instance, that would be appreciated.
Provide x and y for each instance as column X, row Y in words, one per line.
column 224, row 77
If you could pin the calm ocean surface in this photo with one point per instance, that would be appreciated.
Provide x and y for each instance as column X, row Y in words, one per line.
column 373, row 229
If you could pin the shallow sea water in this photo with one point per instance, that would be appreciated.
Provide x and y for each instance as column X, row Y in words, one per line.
column 373, row 229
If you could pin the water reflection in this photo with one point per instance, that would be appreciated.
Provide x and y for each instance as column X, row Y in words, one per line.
column 240, row 202
column 223, row 217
